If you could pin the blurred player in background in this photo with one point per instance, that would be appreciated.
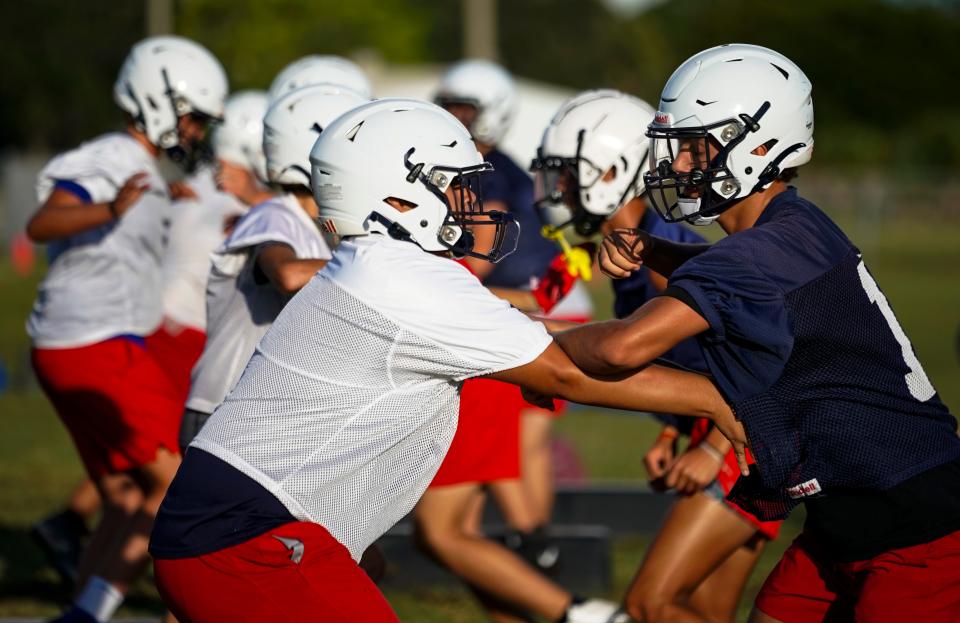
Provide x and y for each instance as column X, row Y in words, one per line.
column 208, row 204
column 272, row 252
column 804, row 345
column 344, row 412
column 482, row 95
column 590, row 173
column 336, row 72
column 106, row 212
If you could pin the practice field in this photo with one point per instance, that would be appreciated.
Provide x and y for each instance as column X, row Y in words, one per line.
column 917, row 263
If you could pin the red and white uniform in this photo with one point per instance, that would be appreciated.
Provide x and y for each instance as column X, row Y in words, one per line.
column 197, row 228
column 241, row 304
column 101, row 294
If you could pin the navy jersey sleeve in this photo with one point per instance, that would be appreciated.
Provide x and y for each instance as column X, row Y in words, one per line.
column 750, row 332
column 496, row 187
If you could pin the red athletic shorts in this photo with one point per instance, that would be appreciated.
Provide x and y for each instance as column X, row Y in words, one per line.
column 114, row 399
column 307, row 577
column 176, row 348
column 486, row 446
column 918, row 583
column 729, row 473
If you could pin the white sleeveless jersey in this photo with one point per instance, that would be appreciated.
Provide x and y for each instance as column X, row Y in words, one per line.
column 196, row 230
column 241, row 303
column 350, row 402
column 104, row 281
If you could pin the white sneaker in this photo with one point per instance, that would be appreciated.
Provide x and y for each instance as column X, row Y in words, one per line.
column 596, row 611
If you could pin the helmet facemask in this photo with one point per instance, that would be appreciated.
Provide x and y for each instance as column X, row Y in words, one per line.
column 700, row 195
column 464, row 212
column 559, row 184
column 188, row 154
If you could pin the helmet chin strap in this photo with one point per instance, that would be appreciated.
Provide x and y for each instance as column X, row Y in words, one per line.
column 690, row 209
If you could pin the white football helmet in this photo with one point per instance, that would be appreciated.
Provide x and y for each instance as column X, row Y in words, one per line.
column 240, row 138
column 336, row 72
column 488, row 87
column 292, row 125
column 164, row 78
column 593, row 133
column 749, row 104
column 412, row 151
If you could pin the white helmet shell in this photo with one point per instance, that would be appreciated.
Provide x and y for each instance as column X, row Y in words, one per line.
column 336, row 72
column 593, row 133
column 291, row 127
column 487, row 86
column 393, row 148
column 166, row 77
column 239, row 139
column 751, row 102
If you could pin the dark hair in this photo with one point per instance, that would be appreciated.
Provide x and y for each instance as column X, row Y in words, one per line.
column 296, row 189
column 788, row 175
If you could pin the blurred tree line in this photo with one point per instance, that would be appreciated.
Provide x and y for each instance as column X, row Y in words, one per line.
column 885, row 72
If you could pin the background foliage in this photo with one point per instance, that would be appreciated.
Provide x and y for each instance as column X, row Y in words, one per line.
column 884, row 72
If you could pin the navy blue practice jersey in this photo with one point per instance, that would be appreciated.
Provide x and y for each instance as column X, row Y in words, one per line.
column 631, row 293
column 806, row 348
column 508, row 184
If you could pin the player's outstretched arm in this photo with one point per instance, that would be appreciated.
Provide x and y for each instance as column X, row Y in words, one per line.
column 650, row 388
column 65, row 214
column 286, row 272
column 625, row 250
column 615, row 346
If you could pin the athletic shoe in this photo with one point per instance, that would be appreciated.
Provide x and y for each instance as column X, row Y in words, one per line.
column 61, row 538
column 595, row 611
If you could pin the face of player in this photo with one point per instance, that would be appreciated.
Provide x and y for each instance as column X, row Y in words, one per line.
column 465, row 113
column 192, row 129
column 694, row 154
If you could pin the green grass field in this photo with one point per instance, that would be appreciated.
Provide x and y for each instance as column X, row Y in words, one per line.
column 916, row 263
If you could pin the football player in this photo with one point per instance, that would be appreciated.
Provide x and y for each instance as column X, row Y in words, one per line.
column 800, row 339
column 590, row 179
column 209, row 203
column 344, row 412
column 334, row 72
column 272, row 252
column 483, row 96
column 105, row 214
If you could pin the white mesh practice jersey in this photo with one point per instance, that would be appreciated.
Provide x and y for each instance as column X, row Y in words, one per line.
column 197, row 229
column 104, row 281
column 241, row 303
column 350, row 402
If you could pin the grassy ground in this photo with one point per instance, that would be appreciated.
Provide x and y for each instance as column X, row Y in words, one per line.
column 917, row 263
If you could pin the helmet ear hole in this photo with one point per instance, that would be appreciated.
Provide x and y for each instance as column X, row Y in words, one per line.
column 764, row 149
column 398, row 204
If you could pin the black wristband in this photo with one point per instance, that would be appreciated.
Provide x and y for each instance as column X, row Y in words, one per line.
column 112, row 208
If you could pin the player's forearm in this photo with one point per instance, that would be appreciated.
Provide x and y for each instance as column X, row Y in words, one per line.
column 665, row 256
column 595, row 347
column 652, row 388
column 54, row 222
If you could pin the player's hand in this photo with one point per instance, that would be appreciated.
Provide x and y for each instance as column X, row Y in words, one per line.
column 537, row 399
column 182, row 190
column 727, row 423
column 659, row 457
column 129, row 194
column 620, row 252
column 694, row 470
